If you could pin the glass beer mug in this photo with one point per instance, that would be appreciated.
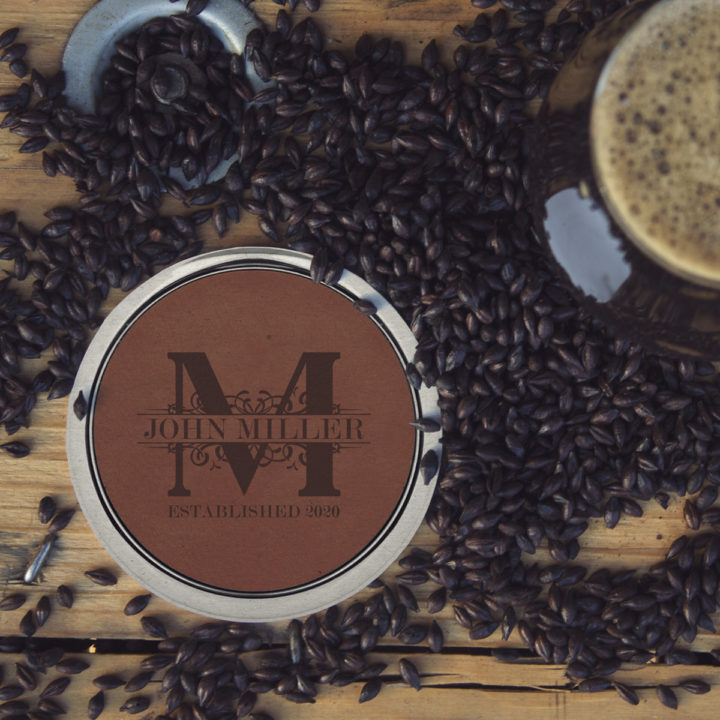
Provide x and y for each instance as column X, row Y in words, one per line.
column 626, row 174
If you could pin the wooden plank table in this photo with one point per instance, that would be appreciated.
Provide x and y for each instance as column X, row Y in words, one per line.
column 464, row 681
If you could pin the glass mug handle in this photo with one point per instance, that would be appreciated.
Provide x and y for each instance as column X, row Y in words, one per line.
column 617, row 282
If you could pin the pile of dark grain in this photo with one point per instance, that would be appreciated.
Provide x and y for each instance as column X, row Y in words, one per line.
column 414, row 177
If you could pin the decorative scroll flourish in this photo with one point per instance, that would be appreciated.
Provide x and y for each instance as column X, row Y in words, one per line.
column 265, row 403
column 211, row 455
column 244, row 403
column 203, row 453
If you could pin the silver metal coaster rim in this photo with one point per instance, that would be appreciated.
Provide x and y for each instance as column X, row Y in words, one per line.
column 204, row 602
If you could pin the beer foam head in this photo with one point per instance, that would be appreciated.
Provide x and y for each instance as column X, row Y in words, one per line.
column 655, row 133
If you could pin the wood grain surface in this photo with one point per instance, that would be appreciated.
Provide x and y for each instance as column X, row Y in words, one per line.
column 462, row 682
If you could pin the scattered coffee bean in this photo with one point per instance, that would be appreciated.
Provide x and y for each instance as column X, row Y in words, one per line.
column 135, row 705
column 153, row 627
column 72, row 666
column 8, row 37
column 667, row 696
column 96, row 705
column 80, row 407
column 101, row 576
column 137, row 604
column 413, row 634
column 14, row 709
column 427, row 425
column 25, row 677
column 15, row 449
column 594, row 684
column 370, row 689
column 64, row 596
column 695, row 686
column 409, row 673
column 55, row 687
column 108, row 682
column 42, row 610
column 365, row 307
column 27, row 624
column 10, row 692
column 13, row 601
column 139, row 681
column 429, row 466
column 436, row 638
column 46, row 509
column 195, row 7
column 61, row 520
column 51, row 707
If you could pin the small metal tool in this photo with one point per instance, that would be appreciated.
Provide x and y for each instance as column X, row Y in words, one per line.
column 39, row 559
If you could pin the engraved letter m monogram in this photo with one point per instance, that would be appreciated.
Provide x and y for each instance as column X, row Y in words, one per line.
column 318, row 369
